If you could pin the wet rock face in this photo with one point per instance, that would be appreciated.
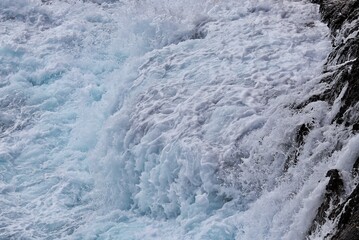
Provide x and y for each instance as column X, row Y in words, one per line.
column 336, row 12
column 348, row 220
column 333, row 191
column 342, row 68
column 335, row 184
column 348, row 224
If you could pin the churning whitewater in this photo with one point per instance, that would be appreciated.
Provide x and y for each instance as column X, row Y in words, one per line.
column 163, row 119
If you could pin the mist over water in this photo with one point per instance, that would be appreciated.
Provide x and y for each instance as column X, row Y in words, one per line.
column 163, row 119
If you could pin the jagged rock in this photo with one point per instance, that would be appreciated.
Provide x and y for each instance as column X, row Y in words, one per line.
column 336, row 12
column 331, row 199
column 351, row 97
column 335, row 184
column 198, row 32
column 342, row 77
column 348, row 224
column 302, row 132
column 356, row 167
column 342, row 66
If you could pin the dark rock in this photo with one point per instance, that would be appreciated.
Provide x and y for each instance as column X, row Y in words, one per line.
column 302, row 132
column 336, row 12
column 342, row 79
column 333, row 191
column 356, row 168
column 335, row 184
column 356, row 127
column 342, row 66
column 299, row 140
column 348, row 224
column 351, row 96
column 198, row 32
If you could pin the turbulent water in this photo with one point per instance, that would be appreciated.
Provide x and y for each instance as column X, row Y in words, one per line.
column 161, row 119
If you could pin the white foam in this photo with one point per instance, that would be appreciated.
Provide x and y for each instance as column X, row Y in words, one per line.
column 161, row 119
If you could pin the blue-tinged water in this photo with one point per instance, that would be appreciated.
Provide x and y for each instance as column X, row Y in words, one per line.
column 161, row 119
